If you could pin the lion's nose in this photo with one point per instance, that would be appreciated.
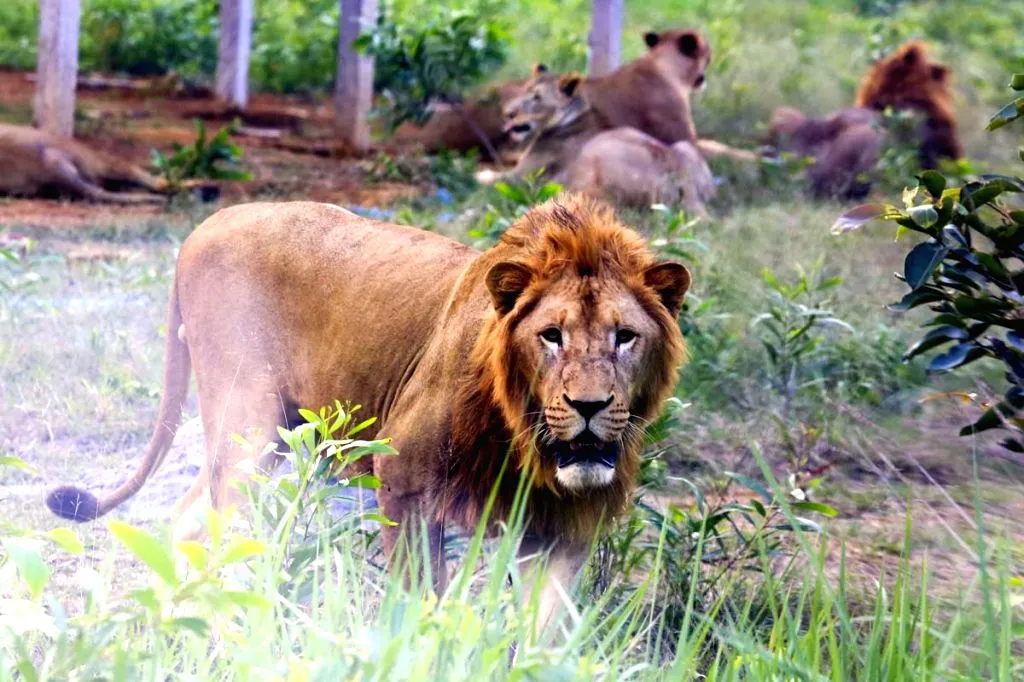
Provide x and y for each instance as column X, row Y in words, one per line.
column 588, row 408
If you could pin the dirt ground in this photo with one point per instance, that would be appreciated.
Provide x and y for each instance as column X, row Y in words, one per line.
column 287, row 143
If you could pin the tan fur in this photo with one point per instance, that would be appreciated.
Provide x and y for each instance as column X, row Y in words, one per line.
column 444, row 344
column 623, row 165
column 459, row 128
column 34, row 161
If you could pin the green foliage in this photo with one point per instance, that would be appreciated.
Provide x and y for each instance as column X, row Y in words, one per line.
column 18, row 21
column 214, row 158
column 447, row 169
column 967, row 272
column 436, row 60
column 295, row 45
column 791, row 330
column 150, row 37
column 508, row 202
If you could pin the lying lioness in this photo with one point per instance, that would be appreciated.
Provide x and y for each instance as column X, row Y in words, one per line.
column 624, row 165
column 35, row 162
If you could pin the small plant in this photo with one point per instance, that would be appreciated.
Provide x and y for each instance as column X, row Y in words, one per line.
column 447, row 169
column 434, row 60
column 214, row 158
column 791, row 329
column 968, row 272
column 510, row 200
column 703, row 548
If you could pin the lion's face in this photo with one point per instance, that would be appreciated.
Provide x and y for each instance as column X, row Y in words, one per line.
column 529, row 112
column 681, row 54
column 591, row 349
column 907, row 79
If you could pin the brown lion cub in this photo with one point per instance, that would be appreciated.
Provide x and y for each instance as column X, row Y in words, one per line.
column 35, row 161
column 551, row 350
column 623, row 165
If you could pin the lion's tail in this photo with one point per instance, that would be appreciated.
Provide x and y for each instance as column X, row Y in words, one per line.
column 76, row 504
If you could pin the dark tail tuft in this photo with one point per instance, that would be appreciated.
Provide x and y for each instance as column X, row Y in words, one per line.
column 74, row 504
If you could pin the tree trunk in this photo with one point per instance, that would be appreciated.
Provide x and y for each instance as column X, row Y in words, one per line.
column 353, row 87
column 57, row 66
column 233, row 52
column 605, row 39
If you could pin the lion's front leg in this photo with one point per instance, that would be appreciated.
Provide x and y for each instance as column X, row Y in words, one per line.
column 414, row 516
column 549, row 570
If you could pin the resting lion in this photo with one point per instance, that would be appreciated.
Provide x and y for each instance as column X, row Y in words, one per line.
column 623, row 165
column 553, row 348
column 846, row 144
column 35, row 163
column 460, row 128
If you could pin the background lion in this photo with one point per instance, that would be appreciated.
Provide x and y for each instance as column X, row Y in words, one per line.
column 624, row 165
column 36, row 162
column 846, row 144
column 553, row 348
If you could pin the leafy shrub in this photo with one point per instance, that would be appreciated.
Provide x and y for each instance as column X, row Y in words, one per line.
column 967, row 271
column 18, row 22
column 702, row 549
column 295, row 45
column 509, row 201
column 434, row 60
column 447, row 169
column 216, row 158
column 150, row 37
column 791, row 330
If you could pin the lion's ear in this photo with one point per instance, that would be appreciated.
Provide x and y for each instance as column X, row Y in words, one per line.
column 670, row 282
column 506, row 281
column 539, row 68
column 939, row 73
column 568, row 84
column 651, row 38
column 912, row 55
column 689, row 44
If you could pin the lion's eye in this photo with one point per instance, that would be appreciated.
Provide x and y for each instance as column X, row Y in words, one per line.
column 552, row 335
column 624, row 337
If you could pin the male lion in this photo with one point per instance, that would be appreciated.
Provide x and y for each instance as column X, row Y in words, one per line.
column 36, row 162
column 624, row 165
column 554, row 349
column 846, row 144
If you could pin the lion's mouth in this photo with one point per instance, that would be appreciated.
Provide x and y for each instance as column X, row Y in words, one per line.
column 520, row 130
column 587, row 449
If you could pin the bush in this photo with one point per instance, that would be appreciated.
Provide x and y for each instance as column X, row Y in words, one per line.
column 968, row 272
column 214, row 158
column 436, row 60
column 150, row 37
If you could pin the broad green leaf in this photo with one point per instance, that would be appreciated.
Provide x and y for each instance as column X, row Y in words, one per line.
column 751, row 484
column 197, row 626
column 922, row 261
column 936, row 337
column 147, row 548
column 243, row 548
column 379, row 518
column 924, row 215
column 1008, row 113
column 1017, row 81
column 195, row 552
column 934, row 182
column 817, row 507
column 24, row 552
column 66, row 539
column 17, row 463
column 249, row 600
column 951, row 359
